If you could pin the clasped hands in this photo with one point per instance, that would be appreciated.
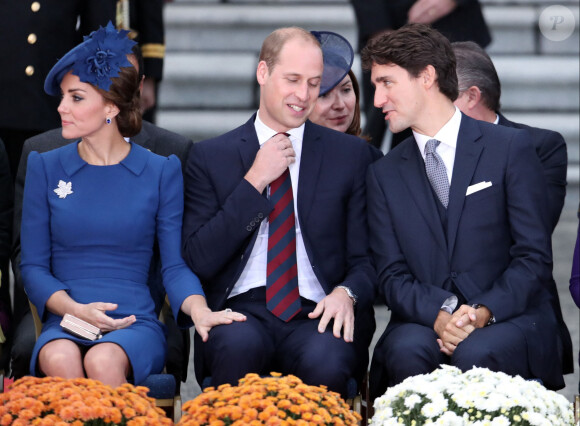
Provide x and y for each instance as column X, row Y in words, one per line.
column 452, row 329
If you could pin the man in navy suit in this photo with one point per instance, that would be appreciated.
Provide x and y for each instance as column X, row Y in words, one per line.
column 479, row 98
column 225, row 232
column 459, row 227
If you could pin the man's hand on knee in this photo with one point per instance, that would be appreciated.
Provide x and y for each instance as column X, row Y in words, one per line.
column 338, row 306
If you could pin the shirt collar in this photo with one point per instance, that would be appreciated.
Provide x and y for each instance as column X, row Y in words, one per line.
column 447, row 135
column 264, row 132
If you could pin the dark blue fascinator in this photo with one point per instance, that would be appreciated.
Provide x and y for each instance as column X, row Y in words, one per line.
column 96, row 60
column 338, row 57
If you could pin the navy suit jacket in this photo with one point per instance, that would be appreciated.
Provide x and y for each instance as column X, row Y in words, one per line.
column 496, row 250
column 551, row 150
column 223, row 213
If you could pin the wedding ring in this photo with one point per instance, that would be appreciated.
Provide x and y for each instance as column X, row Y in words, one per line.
column 228, row 310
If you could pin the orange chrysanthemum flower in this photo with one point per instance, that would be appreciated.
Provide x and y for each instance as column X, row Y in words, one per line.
column 277, row 400
column 52, row 401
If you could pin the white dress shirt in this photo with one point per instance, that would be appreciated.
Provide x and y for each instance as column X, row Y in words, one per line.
column 447, row 135
column 254, row 274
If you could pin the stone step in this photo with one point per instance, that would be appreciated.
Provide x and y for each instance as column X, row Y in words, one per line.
column 229, row 27
column 210, row 26
column 209, row 80
column 226, row 80
column 540, row 83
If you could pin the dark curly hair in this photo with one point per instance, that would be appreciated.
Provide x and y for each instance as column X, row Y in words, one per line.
column 414, row 47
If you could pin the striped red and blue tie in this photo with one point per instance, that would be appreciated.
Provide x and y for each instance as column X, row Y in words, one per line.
column 282, row 295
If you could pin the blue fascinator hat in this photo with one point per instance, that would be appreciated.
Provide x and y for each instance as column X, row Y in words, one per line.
column 337, row 55
column 97, row 60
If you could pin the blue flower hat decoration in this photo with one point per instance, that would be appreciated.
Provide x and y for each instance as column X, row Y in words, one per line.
column 97, row 60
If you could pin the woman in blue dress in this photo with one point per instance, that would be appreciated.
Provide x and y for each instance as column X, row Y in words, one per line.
column 91, row 213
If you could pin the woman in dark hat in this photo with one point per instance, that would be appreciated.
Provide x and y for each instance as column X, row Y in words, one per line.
column 91, row 213
column 338, row 104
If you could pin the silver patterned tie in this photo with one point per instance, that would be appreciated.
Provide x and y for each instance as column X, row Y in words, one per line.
column 436, row 171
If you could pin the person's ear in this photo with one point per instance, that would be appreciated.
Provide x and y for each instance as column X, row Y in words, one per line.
column 111, row 110
column 473, row 96
column 262, row 73
column 428, row 76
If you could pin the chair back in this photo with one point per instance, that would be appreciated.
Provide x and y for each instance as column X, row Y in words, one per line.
column 37, row 321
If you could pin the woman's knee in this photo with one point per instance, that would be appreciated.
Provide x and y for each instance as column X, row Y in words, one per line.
column 61, row 358
column 104, row 360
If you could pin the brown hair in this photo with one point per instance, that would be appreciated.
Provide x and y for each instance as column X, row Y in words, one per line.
column 414, row 47
column 274, row 43
column 124, row 93
column 354, row 128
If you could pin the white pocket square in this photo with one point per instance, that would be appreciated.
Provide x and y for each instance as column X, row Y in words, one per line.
column 477, row 187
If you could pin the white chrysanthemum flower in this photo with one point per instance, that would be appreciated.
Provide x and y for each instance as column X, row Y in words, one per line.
column 480, row 423
column 536, row 419
column 412, row 400
column 449, row 418
column 463, row 400
column 500, row 421
column 473, row 395
column 494, row 402
column 431, row 410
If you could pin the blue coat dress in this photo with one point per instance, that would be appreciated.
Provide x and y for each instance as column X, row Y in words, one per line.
column 90, row 230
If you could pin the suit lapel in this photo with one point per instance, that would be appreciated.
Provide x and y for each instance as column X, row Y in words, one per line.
column 467, row 155
column 311, row 162
column 412, row 170
column 249, row 144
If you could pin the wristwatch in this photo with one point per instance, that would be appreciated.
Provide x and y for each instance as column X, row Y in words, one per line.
column 491, row 318
column 348, row 292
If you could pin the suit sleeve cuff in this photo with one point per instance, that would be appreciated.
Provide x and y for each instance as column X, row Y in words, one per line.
column 449, row 304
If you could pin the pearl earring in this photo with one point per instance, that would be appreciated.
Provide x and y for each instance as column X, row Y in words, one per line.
column 108, row 120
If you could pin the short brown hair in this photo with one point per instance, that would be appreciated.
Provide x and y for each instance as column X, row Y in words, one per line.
column 274, row 43
column 124, row 93
column 414, row 47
